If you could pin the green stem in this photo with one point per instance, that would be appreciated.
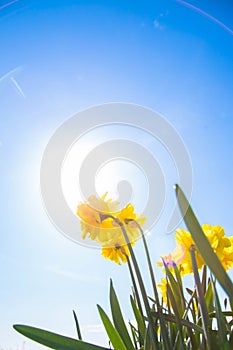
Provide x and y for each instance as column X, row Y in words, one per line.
column 201, row 297
column 136, row 295
column 135, row 288
column 149, row 265
column 141, row 284
column 167, row 345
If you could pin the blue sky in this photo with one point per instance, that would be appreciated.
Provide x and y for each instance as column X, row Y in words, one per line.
column 59, row 57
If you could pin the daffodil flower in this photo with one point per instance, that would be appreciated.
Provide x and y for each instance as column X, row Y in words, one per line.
column 222, row 246
column 101, row 220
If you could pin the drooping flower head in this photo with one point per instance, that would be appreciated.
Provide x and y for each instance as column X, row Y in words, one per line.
column 102, row 221
column 116, row 250
column 92, row 213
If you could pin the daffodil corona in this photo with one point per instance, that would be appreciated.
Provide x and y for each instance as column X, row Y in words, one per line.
column 101, row 220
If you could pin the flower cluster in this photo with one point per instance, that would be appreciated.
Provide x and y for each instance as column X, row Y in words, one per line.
column 222, row 246
column 102, row 221
column 181, row 257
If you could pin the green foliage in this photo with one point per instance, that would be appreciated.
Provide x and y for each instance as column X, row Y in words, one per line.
column 139, row 319
column 119, row 320
column 187, row 320
column 112, row 332
column 54, row 341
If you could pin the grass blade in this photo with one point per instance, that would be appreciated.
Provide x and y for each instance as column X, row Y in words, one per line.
column 201, row 298
column 77, row 326
column 177, row 316
column 184, row 322
column 221, row 321
column 177, row 293
column 139, row 319
column 118, row 319
column 53, row 340
column 114, row 336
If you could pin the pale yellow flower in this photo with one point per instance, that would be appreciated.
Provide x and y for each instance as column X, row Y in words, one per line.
column 116, row 250
column 91, row 214
column 102, row 221
column 222, row 246
column 130, row 219
column 227, row 255
column 184, row 242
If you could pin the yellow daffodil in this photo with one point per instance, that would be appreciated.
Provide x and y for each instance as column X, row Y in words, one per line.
column 184, row 242
column 116, row 250
column 227, row 255
column 102, row 221
column 91, row 214
column 222, row 246
column 131, row 220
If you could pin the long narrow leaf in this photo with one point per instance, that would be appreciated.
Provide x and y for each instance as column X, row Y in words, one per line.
column 221, row 321
column 139, row 319
column 147, row 345
column 118, row 319
column 135, row 335
column 77, row 325
column 176, row 291
column 209, row 298
column 201, row 298
column 184, row 322
column 177, row 316
column 53, row 340
column 114, row 336
column 203, row 244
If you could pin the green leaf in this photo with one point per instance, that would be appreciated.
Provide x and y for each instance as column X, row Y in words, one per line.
column 179, row 281
column 177, row 293
column 147, row 345
column 203, row 244
column 209, row 297
column 204, row 279
column 118, row 319
column 114, row 336
column 171, row 298
column 138, row 317
column 135, row 335
column 221, row 321
column 77, row 326
column 53, row 340
column 225, row 313
column 201, row 298
column 184, row 322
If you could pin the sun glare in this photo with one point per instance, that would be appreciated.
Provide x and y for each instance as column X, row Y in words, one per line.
column 124, row 180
